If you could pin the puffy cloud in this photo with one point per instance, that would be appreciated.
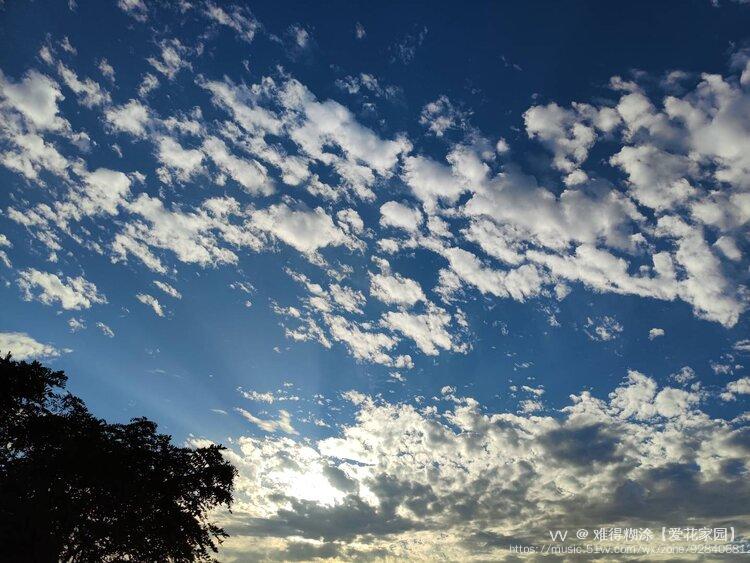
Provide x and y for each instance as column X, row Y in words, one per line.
column 429, row 330
column 136, row 9
column 322, row 131
column 441, row 115
column 734, row 388
column 152, row 302
column 104, row 191
column 520, row 283
column 350, row 220
column 24, row 347
column 32, row 154
column 168, row 289
column 569, row 133
column 431, row 181
column 89, row 92
column 35, row 97
column 244, row 104
column 713, row 295
column 177, row 161
column 395, row 289
column 307, row 230
column 400, row 216
column 237, row 18
column 363, row 344
column 198, row 236
column 148, row 84
column 251, row 175
column 728, row 247
column 72, row 294
column 132, row 118
column 349, row 299
column 583, row 215
column 684, row 375
column 655, row 333
column 603, row 329
column 174, row 57
column 106, row 331
column 367, row 84
column 76, row 324
column 418, row 483
column 359, row 31
column 106, row 69
column 322, row 123
column 714, row 119
column 658, row 179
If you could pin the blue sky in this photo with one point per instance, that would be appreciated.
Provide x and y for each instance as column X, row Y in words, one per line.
column 304, row 230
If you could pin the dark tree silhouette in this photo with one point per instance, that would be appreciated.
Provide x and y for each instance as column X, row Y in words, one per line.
column 76, row 488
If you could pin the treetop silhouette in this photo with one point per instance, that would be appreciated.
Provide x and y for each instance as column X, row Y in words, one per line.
column 74, row 487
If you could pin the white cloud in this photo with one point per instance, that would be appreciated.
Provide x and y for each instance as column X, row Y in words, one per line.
column 441, row 115
column 520, row 283
column 136, row 9
column 168, row 289
column 132, row 117
column 148, row 84
column 529, row 406
column 657, row 178
column 72, row 294
column 32, row 155
column 322, row 124
column 251, row 175
column 430, row 330
column 418, row 483
column 300, row 36
column 363, row 344
column 728, row 247
column 713, row 295
column 566, row 132
column 76, row 324
column 395, row 289
column 400, row 216
column 283, row 424
column 734, row 388
column 684, row 375
column 174, row 57
column 177, row 161
column 103, row 191
column 347, row 298
column 238, row 18
column 195, row 236
column 307, row 230
column 152, row 302
column 106, row 331
column 89, row 92
column 268, row 397
column 655, row 333
column 24, row 347
column 603, row 329
column 106, row 69
column 365, row 84
column 35, row 97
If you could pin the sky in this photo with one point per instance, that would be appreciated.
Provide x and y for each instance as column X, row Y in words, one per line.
column 439, row 277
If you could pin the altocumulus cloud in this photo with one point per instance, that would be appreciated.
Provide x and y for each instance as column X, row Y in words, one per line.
column 419, row 481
